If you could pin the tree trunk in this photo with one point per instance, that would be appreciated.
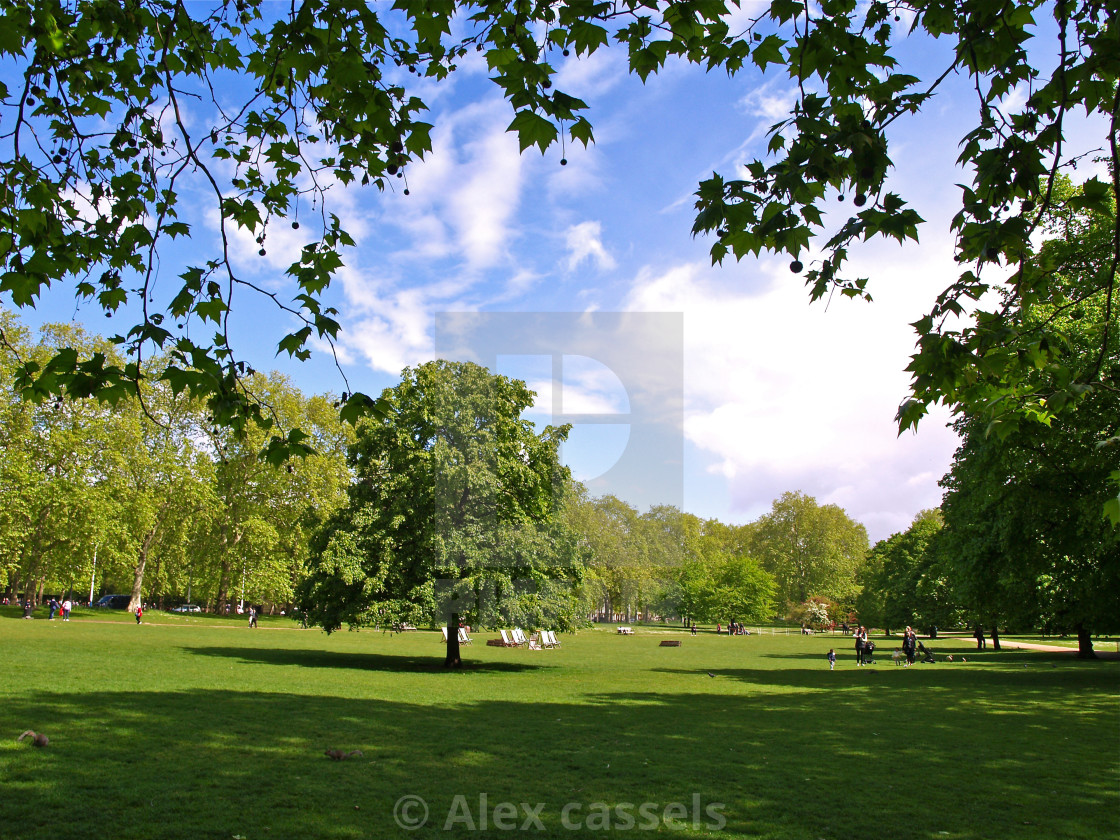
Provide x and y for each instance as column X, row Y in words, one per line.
column 136, row 597
column 156, row 594
column 223, row 583
column 224, row 579
column 995, row 638
column 1084, row 643
column 453, row 660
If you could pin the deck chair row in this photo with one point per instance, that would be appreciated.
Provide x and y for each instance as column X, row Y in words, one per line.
column 536, row 641
column 464, row 639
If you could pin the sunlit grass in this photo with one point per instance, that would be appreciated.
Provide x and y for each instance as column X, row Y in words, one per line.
column 198, row 727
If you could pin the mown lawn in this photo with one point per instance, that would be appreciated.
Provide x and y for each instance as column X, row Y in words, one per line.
column 200, row 728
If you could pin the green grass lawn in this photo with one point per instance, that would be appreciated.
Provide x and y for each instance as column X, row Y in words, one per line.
column 196, row 727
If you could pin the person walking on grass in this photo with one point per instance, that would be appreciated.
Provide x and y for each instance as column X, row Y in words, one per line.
column 831, row 659
column 139, row 612
column 861, row 644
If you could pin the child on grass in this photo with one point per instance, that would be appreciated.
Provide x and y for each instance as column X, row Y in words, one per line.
column 831, row 659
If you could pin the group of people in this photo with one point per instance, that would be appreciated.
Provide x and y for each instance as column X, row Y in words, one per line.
column 62, row 609
column 865, row 647
column 734, row 628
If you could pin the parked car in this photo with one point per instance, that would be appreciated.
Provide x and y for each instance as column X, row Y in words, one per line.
column 187, row 608
column 113, row 602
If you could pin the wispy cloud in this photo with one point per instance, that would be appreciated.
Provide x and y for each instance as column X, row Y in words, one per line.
column 465, row 194
column 585, row 243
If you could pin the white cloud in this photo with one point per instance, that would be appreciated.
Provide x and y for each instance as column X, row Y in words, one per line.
column 772, row 100
column 590, row 76
column 464, row 196
column 788, row 396
column 395, row 338
column 516, row 287
column 585, row 242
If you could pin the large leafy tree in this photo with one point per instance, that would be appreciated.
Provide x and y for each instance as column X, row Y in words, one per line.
column 263, row 516
column 903, row 583
column 810, row 549
column 455, row 505
column 65, row 496
column 149, row 497
column 721, row 587
column 622, row 576
column 1027, row 543
column 115, row 115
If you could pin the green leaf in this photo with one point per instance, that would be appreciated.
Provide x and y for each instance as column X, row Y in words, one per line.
column 768, row 51
column 533, row 129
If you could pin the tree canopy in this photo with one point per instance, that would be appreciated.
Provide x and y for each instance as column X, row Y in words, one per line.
column 455, row 505
column 903, row 584
column 720, row 588
column 810, row 549
column 149, row 497
column 116, row 114
column 1025, row 540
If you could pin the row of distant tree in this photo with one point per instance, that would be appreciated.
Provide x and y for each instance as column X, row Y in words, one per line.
column 147, row 497
column 454, row 502
column 143, row 489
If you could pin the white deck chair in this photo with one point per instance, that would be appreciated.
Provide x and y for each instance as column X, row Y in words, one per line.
column 443, row 630
column 552, row 640
column 506, row 640
column 535, row 641
column 464, row 639
column 519, row 636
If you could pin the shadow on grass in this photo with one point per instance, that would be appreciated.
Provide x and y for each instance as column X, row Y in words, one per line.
column 883, row 653
column 1029, row 673
column 357, row 661
column 218, row 763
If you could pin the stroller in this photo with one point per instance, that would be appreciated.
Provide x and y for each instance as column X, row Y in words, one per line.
column 927, row 654
column 868, row 650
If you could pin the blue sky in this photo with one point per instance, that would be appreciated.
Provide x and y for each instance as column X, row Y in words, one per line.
column 778, row 394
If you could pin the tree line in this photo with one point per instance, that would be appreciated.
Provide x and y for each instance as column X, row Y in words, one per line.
column 148, row 497
column 453, row 503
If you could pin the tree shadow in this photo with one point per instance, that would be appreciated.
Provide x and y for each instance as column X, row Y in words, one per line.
column 218, row 763
column 312, row 658
column 1034, row 674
